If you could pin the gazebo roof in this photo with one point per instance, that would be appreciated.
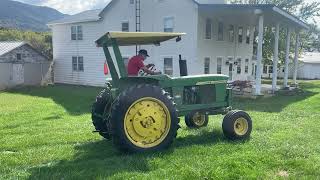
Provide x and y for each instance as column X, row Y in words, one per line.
column 272, row 14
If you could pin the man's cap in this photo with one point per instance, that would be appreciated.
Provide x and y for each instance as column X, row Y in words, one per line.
column 144, row 52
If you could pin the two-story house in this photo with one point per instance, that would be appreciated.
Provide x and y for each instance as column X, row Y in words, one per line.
column 219, row 37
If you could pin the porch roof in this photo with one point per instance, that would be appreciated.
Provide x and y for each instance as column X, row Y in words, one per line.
column 272, row 13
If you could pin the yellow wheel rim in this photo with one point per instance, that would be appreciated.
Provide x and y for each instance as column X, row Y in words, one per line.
column 147, row 122
column 199, row 119
column 241, row 126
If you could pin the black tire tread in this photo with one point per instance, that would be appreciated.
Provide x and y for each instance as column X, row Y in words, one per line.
column 98, row 111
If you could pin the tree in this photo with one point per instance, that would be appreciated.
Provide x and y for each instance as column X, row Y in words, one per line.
column 300, row 8
column 41, row 41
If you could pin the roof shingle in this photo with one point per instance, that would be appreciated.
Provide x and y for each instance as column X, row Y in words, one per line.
column 86, row 16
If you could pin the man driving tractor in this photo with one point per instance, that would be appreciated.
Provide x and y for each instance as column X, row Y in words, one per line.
column 136, row 64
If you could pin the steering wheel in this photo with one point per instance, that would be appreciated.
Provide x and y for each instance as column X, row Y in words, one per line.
column 142, row 73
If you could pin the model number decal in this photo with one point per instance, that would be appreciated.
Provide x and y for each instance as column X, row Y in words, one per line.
column 209, row 82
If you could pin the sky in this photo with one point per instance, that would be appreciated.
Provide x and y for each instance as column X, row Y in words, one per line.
column 69, row 6
column 76, row 6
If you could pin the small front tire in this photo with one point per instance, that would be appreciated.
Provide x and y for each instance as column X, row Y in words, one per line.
column 237, row 125
column 196, row 120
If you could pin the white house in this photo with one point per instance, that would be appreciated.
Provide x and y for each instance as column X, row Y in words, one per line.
column 219, row 37
column 308, row 67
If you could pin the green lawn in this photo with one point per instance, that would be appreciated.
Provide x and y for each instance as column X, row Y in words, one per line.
column 46, row 134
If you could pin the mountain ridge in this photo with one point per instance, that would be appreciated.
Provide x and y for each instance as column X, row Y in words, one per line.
column 23, row 16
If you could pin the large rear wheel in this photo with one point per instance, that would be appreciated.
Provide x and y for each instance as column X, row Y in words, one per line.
column 100, row 113
column 143, row 119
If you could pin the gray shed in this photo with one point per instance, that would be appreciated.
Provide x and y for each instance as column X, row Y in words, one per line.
column 21, row 64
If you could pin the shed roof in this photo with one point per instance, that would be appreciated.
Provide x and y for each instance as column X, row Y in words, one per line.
column 7, row 46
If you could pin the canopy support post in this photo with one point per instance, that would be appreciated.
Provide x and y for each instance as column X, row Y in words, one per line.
column 275, row 59
column 259, row 56
column 286, row 67
column 296, row 56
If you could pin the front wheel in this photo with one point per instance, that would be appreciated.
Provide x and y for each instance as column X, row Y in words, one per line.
column 237, row 125
column 196, row 120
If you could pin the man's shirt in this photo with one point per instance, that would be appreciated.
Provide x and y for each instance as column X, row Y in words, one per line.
column 134, row 65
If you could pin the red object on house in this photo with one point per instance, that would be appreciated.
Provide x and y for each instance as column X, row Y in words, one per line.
column 105, row 69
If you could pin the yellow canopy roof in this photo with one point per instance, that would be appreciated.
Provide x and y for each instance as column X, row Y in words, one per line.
column 137, row 38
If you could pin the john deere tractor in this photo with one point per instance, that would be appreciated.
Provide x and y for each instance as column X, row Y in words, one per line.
column 141, row 114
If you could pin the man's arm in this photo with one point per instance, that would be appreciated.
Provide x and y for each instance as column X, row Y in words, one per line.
column 149, row 65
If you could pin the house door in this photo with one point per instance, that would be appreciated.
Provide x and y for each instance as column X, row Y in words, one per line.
column 230, row 71
column 17, row 74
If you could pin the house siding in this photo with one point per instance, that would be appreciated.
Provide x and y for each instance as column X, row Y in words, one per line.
column 64, row 49
column 152, row 20
column 193, row 47
column 214, row 49
column 185, row 20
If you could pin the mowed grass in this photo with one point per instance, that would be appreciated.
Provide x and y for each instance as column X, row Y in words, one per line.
column 46, row 133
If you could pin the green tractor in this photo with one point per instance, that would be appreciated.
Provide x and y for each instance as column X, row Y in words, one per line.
column 141, row 114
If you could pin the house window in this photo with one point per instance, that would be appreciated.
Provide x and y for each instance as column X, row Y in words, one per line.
column 270, row 69
column 208, row 28
column 125, row 26
column 246, row 68
column 206, row 65
column 248, row 35
column 219, row 65
column 19, row 56
column 168, row 66
column 77, row 64
column 231, row 33
column 239, row 66
column 220, row 31
column 76, row 33
column 168, row 24
column 253, row 69
column 79, row 32
column 240, row 34
column 131, row 1
column 265, row 69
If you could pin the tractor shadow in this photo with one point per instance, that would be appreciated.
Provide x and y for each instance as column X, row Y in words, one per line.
column 76, row 100
column 96, row 160
column 272, row 104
